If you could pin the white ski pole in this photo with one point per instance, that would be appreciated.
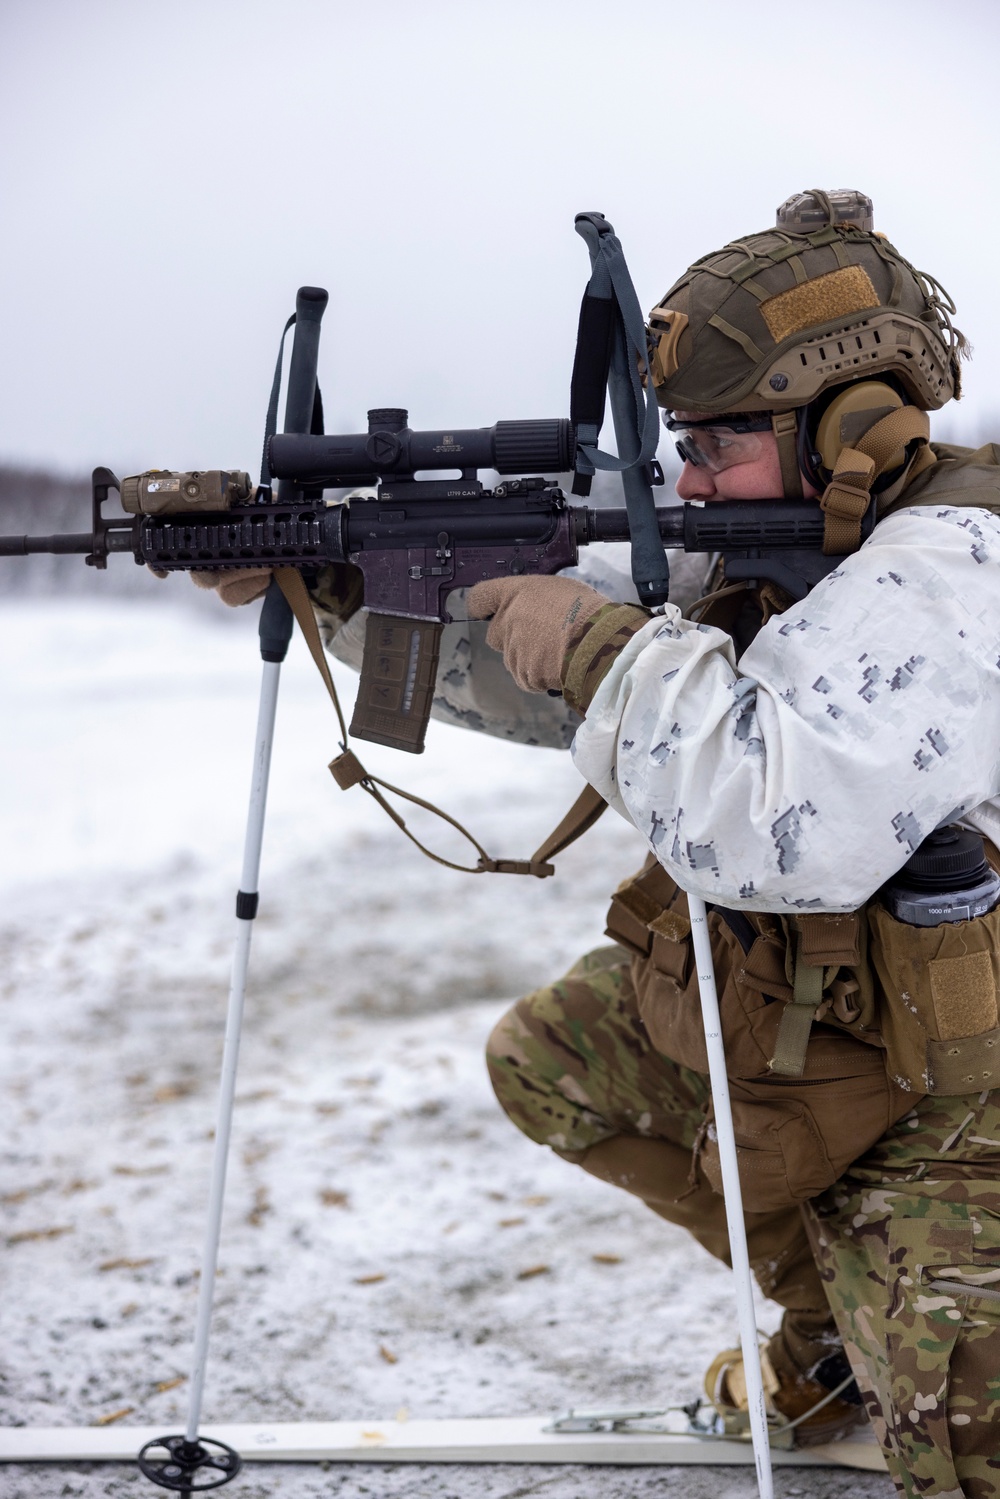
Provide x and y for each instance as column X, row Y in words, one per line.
column 275, row 633
column 189, row 1455
column 732, row 1194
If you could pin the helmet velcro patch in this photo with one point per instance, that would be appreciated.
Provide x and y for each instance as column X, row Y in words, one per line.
column 821, row 300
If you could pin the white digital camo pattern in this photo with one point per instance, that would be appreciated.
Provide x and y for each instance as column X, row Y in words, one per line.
column 857, row 722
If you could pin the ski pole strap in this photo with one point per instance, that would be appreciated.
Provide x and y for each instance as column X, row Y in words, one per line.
column 612, row 352
column 589, row 385
column 347, row 770
column 271, row 420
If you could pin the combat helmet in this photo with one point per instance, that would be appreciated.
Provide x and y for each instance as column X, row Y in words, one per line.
column 821, row 324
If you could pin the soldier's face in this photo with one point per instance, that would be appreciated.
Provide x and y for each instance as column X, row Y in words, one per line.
column 758, row 479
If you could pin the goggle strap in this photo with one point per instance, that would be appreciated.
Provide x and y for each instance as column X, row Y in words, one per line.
column 735, row 421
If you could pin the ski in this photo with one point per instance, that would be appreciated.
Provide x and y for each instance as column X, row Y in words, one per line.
column 521, row 1439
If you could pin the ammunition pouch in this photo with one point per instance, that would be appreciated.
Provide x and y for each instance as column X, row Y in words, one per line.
column 819, row 1067
column 795, row 1135
column 938, row 1001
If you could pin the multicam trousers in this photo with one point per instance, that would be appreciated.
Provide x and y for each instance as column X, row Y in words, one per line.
column 904, row 1248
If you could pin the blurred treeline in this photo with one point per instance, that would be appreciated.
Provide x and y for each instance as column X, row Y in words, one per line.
column 36, row 503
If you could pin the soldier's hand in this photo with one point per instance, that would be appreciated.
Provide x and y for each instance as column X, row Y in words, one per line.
column 534, row 622
column 234, row 585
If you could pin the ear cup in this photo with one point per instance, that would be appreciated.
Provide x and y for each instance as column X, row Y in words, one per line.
column 850, row 415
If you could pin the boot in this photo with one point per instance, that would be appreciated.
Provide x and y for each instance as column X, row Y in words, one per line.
column 790, row 1393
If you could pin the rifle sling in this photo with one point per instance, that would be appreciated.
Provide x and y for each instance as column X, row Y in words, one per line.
column 347, row 770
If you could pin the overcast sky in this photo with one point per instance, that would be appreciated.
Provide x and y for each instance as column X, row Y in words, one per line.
column 172, row 172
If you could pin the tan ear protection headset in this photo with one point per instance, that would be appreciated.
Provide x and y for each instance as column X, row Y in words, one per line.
column 856, row 445
column 826, row 428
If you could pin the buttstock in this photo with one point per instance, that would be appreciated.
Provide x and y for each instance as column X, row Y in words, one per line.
column 398, row 675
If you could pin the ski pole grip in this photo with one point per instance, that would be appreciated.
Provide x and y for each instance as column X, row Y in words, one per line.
column 310, row 305
column 398, row 673
column 275, row 625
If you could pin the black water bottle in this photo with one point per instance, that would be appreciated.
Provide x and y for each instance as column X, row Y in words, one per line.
column 946, row 879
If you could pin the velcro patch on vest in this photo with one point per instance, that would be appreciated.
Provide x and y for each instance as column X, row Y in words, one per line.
column 821, row 300
column 673, row 925
column 964, row 995
column 638, row 903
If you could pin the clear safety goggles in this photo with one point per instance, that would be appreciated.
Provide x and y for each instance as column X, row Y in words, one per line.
column 719, row 443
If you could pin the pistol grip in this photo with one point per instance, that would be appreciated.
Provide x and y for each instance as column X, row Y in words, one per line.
column 398, row 674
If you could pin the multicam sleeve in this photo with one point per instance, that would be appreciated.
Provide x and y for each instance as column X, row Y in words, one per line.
column 337, row 595
column 592, row 652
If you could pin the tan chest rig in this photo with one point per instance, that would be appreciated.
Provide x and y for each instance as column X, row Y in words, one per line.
column 834, row 1025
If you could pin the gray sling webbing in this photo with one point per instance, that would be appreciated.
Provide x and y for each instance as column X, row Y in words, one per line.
column 635, row 411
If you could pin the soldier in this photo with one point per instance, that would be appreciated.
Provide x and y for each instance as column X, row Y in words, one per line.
column 783, row 759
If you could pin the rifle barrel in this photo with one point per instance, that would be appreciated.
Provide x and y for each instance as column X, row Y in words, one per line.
column 611, row 524
column 117, row 539
column 20, row 546
column 729, row 526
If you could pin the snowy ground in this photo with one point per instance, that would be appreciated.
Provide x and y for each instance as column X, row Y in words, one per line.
column 381, row 1214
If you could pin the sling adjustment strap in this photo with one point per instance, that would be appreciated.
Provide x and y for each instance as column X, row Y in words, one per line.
column 789, row 1058
column 347, row 770
column 845, row 502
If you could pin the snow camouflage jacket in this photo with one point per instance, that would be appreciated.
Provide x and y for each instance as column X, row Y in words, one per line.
column 801, row 775
column 792, row 780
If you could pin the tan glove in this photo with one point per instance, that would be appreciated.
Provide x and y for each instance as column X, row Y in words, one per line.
column 534, row 622
column 234, row 585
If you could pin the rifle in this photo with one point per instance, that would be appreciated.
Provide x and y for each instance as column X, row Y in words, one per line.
column 426, row 533
column 419, row 538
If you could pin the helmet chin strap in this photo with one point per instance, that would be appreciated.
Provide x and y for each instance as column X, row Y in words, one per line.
column 785, row 427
